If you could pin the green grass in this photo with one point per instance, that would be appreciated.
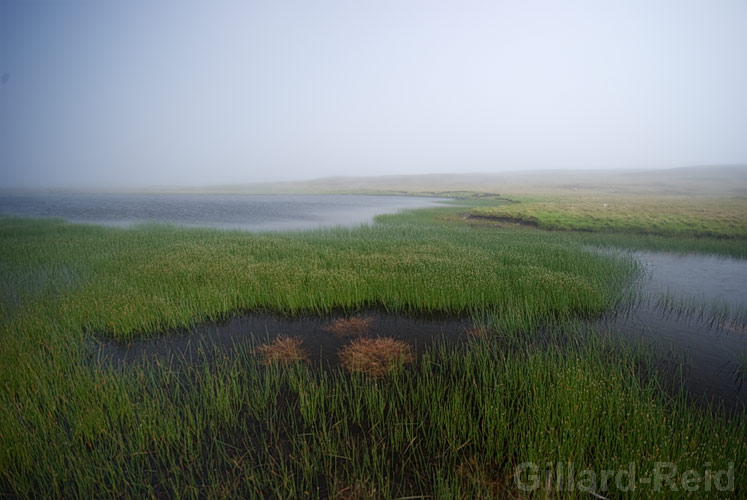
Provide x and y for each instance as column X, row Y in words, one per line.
column 146, row 280
column 454, row 426
column 691, row 217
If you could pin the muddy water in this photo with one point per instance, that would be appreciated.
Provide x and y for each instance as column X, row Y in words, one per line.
column 700, row 324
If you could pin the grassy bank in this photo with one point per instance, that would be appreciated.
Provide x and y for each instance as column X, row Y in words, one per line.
column 455, row 424
column 709, row 225
column 665, row 216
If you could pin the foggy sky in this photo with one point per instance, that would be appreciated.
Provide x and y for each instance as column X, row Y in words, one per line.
column 131, row 93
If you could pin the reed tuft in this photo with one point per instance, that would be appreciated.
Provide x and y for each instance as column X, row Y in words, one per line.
column 356, row 326
column 376, row 357
column 283, row 351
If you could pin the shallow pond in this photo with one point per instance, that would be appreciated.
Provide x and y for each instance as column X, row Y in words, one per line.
column 318, row 338
column 692, row 307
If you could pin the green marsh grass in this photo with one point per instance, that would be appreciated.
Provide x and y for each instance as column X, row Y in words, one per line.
column 154, row 278
column 454, row 425
column 673, row 216
column 674, row 223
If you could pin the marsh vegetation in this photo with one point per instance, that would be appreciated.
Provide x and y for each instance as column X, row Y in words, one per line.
column 721, row 218
column 533, row 377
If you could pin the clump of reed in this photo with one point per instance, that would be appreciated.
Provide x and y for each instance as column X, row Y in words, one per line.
column 376, row 357
column 283, row 351
column 355, row 326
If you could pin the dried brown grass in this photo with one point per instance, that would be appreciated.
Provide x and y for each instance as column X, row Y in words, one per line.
column 350, row 327
column 375, row 357
column 283, row 350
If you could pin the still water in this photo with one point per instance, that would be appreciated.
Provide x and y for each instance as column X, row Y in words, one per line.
column 245, row 212
column 691, row 309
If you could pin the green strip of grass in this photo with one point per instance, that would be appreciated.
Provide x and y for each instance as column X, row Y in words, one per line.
column 691, row 224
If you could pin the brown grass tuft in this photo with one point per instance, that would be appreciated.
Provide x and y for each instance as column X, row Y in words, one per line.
column 283, row 350
column 350, row 327
column 375, row 357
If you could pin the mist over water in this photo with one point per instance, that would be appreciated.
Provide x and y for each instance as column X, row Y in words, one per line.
column 245, row 212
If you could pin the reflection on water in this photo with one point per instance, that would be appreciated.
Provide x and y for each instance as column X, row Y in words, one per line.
column 693, row 306
column 706, row 278
column 245, row 212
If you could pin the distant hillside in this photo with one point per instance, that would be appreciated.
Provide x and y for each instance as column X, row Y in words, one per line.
column 702, row 180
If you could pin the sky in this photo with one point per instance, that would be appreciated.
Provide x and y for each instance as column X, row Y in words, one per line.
column 141, row 93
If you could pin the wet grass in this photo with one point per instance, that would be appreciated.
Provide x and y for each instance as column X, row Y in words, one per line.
column 713, row 225
column 715, row 312
column 456, row 425
column 155, row 278
column 453, row 423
